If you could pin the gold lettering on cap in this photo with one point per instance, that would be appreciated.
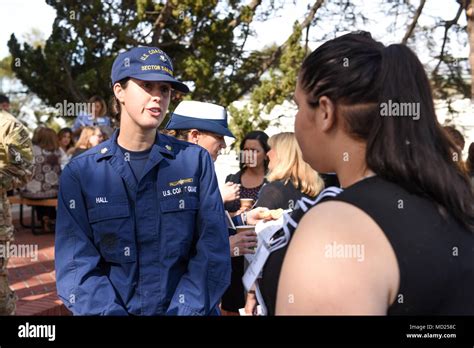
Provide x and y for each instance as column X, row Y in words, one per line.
column 155, row 51
column 156, row 67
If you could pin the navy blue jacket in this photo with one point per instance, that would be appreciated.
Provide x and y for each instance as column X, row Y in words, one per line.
column 153, row 247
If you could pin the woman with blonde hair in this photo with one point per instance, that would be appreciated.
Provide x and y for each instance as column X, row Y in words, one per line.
column 289, row 177
column 90, row 137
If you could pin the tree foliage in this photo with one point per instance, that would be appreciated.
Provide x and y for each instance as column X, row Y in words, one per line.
column 206, row 40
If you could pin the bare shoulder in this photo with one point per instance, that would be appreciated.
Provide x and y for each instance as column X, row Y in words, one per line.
column 339, row 262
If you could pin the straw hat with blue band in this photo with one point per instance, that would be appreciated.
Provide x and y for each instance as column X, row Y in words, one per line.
column 146, row 64
column 202, row 116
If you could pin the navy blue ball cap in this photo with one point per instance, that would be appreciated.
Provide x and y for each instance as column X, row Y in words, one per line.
column 209, row 117
column 146, row 64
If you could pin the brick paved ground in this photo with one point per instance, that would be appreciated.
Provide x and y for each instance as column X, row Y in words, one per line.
column 33, row 278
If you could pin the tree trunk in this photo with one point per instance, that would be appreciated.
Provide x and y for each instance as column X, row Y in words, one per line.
column 161, row 21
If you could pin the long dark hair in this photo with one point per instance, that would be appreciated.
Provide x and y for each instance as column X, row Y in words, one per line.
column 262, row 138
column 360, row 75
column 62, row 132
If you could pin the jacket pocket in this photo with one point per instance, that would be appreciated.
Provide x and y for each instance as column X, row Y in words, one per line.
column 178, row 224
column 113, row 232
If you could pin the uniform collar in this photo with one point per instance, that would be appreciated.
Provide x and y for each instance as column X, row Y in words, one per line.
column 109, row 148
column 164, row 145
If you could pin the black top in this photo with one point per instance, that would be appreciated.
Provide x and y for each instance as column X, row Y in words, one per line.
column 245, row 192
column 273, row 195
column 277, row 194
column 234, row 297
column 435, row 255
column 330, row 179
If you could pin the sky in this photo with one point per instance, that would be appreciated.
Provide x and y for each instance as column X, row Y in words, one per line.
column 20, row 16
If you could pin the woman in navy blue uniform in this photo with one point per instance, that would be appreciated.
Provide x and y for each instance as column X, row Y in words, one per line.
column 141, row 227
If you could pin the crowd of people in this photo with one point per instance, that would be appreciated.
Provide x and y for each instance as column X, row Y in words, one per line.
column 142, row 227
column 51, row 152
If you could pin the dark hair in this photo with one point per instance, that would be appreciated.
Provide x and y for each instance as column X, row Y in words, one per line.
column 470, row 160
column 4, row 99
column 64, row 131
column 115, row 107
column 456, row 136
column 360, row 75
column 46, row 138
column 181, row 134
column 262, row 138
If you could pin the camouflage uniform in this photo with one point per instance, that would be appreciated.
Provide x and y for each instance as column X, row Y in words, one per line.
column 16, row 166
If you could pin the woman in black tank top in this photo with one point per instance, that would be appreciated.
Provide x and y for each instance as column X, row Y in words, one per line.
column 398, row 239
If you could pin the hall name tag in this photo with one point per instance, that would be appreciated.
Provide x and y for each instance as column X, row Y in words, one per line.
column 179, row 190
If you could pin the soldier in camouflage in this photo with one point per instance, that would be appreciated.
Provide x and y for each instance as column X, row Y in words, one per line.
column 16, row 166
